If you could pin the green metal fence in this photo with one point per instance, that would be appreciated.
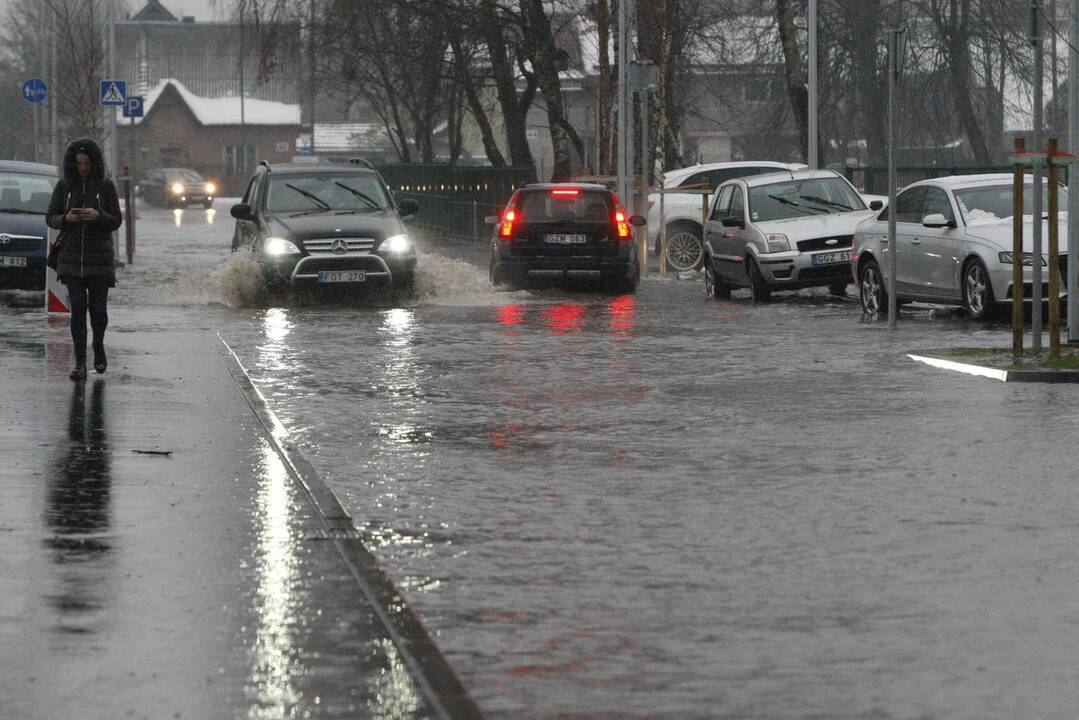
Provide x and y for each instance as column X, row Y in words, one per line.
column 454, row 200
column 874, row 180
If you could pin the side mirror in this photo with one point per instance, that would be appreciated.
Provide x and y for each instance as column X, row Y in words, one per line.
column 876, row 204
column 638, row 220
column 491, row 220
column 936, row 220
column 242, row 211
column 732, row 221
column 408, row 206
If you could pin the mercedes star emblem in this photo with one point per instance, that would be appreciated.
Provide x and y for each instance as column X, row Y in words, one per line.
column 339, row 246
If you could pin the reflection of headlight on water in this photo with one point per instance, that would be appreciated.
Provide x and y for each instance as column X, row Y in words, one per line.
column 396, row 244
column 279, row 246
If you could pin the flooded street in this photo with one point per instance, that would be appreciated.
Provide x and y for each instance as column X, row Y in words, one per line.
column 664, row 506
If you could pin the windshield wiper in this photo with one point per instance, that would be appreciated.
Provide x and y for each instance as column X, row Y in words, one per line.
column 358, row 194
column 785, row 201
column 822, row 201
column 323, row 205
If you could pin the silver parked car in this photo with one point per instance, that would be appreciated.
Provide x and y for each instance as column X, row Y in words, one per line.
column 953, row 245
column 781, row 231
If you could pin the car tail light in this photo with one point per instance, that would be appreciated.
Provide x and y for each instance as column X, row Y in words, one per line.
column 505, row 229
column 621, row 225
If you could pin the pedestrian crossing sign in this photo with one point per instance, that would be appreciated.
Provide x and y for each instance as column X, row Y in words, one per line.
column 114, row 93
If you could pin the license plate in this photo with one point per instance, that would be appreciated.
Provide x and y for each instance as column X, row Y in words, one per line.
column 338, row 276
column 8, row 261
column 831, row 258
column 566, row 239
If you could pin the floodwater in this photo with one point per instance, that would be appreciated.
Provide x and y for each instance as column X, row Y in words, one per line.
column 664, row 506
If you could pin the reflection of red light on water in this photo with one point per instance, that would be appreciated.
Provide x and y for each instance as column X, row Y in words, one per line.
column 564, row 318
column 623, row 314
column 511, row 315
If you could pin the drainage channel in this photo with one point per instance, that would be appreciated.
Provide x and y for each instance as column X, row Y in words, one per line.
column 428, row 666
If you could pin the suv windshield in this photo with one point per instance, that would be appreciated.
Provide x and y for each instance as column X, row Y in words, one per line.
column 347, row 192
column 985, row 205
column 184, row 176
column 542, row 206
column 24, row 192
column 799, row 198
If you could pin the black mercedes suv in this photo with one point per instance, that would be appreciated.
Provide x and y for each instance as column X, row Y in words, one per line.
column 326, row 225
column 553, row 232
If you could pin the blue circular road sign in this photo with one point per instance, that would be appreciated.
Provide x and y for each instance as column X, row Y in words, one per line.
column 33, row 90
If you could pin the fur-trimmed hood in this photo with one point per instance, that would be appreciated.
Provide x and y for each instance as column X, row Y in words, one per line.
column 97, row 160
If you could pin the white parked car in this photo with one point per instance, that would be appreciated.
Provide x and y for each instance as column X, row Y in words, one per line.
column 781, row 232
column 683, row 211
column 953, row 245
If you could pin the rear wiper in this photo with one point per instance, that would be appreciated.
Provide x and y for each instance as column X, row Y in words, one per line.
column 310, row 196
column 785, row 201
column 358, row 194
column 822, row 201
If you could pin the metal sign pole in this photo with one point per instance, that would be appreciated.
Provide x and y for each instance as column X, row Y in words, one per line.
column 893, row 70
column 812, row 132
column 1036, row 259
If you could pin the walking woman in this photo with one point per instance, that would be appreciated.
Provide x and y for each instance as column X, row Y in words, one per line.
column 86, row 210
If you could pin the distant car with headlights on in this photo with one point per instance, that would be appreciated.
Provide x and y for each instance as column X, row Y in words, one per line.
column 25, row 190
column 781, row 231
column 555, row 232
column 176, row 188
column 953, row 245
column 326, row 225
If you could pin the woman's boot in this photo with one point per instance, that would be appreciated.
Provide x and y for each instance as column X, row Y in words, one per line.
column 100, row 361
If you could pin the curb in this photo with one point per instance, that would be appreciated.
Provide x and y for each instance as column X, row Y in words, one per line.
column 426, row 663
column 1028, row 376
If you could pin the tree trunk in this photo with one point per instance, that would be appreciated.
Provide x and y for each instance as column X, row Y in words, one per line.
column 795, row 72
column 547, row 61
column 869, row 84
column 514, row 108
column 464, row 77
column 606, row 86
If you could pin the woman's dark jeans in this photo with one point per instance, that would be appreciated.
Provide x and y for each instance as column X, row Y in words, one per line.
column 84, row 295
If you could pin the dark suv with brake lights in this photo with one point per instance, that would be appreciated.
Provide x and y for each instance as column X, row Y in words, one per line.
column 326, row 225
column 565, row 231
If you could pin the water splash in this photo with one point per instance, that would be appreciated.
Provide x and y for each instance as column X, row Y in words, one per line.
column 236, row 282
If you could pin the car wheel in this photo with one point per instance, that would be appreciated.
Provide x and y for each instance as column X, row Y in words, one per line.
column 495, row 279
column 404, row 287
column 871, row 289
column 684, row 249
column 208, row 204
column 838, row 288
column 978, row 291
column 757, row 286
column 713, row 284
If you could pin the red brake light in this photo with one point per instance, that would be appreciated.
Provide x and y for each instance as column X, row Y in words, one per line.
column 506, row 228
column 566, row 191
column 621, row 225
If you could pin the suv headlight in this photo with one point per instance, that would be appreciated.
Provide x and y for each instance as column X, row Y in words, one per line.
column 396, row 244
column 177, row 189
column 210, row 188
column 279, row 246
column 777, row 242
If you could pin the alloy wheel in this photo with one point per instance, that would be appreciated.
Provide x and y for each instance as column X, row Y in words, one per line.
column 684, row 251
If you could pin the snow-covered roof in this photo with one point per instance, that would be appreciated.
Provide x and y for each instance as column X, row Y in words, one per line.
column 350, row 137
column 221, row 110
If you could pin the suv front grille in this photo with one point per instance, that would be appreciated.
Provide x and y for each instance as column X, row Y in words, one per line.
column 844, row 241
column 322, row 246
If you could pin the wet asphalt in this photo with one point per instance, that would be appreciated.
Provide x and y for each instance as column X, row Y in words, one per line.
column 162, row 558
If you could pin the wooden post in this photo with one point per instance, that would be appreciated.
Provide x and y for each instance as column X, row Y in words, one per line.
column 129, row 226
column 1054, row 255
column 1017, row 251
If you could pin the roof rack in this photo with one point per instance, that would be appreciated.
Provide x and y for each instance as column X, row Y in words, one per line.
column 361, row 161
column 263, row 163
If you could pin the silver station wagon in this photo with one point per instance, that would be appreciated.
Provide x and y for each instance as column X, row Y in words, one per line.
column 782, row 231
column 954, row 245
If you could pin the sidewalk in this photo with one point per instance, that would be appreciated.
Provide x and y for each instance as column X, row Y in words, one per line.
column 199, row 584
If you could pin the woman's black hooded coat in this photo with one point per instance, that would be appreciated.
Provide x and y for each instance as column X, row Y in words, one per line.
column 86, row 251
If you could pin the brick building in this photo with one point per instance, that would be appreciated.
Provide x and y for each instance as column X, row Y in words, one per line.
column 181, row 129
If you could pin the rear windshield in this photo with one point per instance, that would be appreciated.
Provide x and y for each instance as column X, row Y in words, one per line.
column 799, row 198
column 538, row 206
column 26, row 192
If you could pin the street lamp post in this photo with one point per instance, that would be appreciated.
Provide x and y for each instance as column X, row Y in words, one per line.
column 811, row 152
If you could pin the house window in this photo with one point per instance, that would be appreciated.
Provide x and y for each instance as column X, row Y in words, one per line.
column 234, row 162
column 759, row 89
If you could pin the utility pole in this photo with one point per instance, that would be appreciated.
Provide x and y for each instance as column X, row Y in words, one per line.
column 623, row 75
column 311, row 62
column 893, row 77
column 811, row 152
column 1036, row 259
column 241, row 164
